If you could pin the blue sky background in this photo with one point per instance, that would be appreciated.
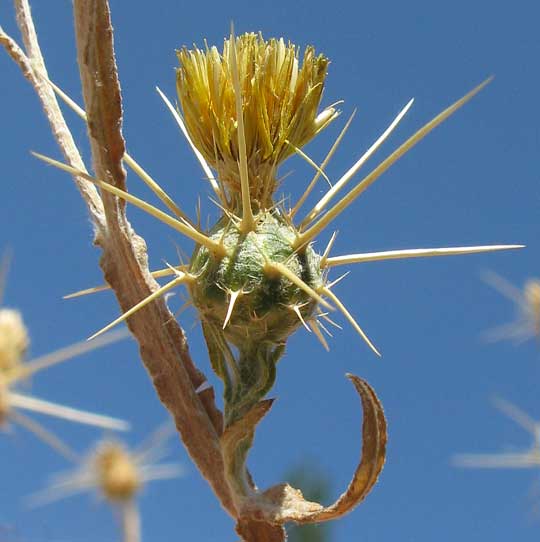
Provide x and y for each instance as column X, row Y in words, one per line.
column 475, row 180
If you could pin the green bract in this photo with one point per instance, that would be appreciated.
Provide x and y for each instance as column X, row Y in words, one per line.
column 241, row 292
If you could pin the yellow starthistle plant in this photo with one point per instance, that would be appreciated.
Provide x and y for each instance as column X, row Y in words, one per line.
column 255, row 277
column 116, row 474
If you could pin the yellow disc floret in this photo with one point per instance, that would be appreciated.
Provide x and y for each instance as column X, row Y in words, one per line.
column 280, row 102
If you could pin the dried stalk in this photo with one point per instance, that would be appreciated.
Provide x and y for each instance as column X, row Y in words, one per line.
column 162, row 343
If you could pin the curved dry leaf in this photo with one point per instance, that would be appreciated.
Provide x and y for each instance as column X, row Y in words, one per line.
column 283, row 503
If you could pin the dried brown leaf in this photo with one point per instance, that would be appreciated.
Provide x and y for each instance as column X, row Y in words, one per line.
column 283, row 503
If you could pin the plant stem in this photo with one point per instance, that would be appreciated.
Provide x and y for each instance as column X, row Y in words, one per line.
column 131, row 522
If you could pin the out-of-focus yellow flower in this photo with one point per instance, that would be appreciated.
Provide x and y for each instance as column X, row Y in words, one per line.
column 280, row 101
column 116, row 472
column 113, row 471
column 14, row 339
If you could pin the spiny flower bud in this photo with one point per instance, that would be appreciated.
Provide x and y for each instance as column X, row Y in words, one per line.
column 114, row 471
column 280, row 101
column 117, row 474
column 246, row 293
column 14, row 339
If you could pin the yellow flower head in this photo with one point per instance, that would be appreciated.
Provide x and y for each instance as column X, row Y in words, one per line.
column 117, row 473
column 114, row 471
column 14, row 339
column 280, row 100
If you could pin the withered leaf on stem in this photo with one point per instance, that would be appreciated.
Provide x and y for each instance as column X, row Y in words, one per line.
column 283, row 503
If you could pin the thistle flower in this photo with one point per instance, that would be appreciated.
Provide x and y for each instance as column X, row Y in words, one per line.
column 280, row 98
column 254, row 277
column 113, row 471
column 116, row 474
column 527, row 303
column 248, row 266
